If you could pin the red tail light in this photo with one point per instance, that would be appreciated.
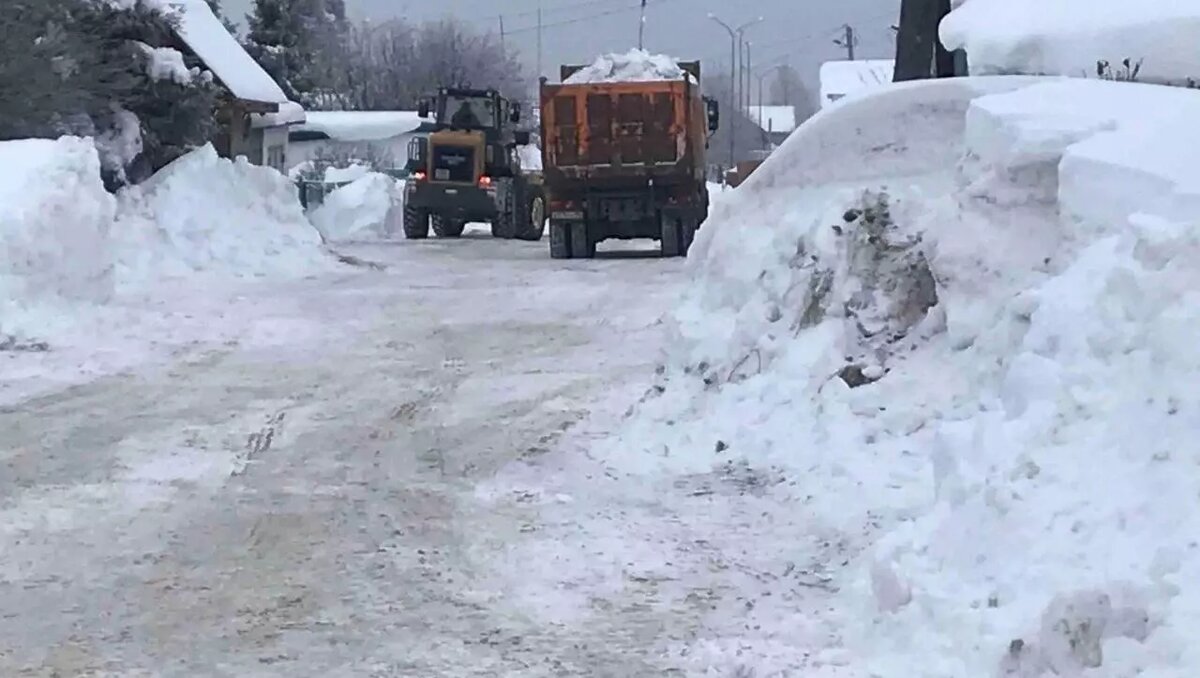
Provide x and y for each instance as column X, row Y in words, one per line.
column 485, row 181
column 418, row 176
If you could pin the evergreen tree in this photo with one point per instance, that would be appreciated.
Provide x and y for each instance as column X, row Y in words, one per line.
column 80, row 67
column 215, row 6
column 296, row 42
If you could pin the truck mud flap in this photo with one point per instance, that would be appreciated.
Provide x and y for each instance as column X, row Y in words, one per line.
column 570, row 240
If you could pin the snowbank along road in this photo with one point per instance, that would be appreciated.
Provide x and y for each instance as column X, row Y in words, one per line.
column 311, row 505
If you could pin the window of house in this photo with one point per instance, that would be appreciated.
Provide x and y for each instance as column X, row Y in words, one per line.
column 275, row 157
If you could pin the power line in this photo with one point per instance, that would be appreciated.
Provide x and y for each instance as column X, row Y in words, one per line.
column 589, row 17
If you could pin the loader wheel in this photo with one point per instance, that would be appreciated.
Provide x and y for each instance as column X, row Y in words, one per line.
column 445, row 227
column 505, row 224
column 560, row 240
column 533, row 216
column 671, row 243
column 416, row 223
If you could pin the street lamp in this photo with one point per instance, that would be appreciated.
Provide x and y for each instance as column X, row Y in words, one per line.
column 735, row 43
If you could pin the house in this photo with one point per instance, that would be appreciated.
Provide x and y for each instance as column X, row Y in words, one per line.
column 843, row 78
column 776, row 122
column 379, row 138
column 254, row 113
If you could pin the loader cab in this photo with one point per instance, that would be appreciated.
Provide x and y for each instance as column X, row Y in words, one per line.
column 473, row 130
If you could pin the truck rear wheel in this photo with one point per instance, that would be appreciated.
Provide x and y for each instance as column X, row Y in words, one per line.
column 671, row 243
column 416, row 223
column 445, row 227
column 560, row 240
column 582, row 245
column 533, row 217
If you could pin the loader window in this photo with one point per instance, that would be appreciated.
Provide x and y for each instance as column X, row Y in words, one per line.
column 469, row 112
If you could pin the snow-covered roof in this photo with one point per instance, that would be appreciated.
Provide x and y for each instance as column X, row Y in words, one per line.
column 1069, row 37
column 840, row 78
column 773, row 118
column 362, row 125
column 636, row 65
column 205, row 35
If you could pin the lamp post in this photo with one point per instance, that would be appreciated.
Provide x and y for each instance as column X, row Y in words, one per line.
column 735, row 44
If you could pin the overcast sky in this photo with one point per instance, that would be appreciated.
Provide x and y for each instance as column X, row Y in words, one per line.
column 800, row 31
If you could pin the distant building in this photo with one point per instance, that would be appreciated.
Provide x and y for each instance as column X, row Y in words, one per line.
column 254, row 113
column 775, row 122
column 840, row 79
column 380, row 137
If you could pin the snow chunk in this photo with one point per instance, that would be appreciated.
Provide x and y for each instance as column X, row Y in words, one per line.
column 531, row 157
column 362, row 125
column 54, row 224
column 1069, row 37
column 166, row 63
column 121, row 143
column 633, row 66
column 370, row 208
column 337, row 175
column 205, row 214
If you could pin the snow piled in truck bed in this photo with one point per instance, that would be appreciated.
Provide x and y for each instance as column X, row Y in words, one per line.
column 633, row 66
column 1068, row 37
column 1011, row 281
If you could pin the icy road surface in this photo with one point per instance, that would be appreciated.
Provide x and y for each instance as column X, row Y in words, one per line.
column 309, row 505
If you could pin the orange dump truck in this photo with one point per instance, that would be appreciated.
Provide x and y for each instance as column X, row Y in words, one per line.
column 625, row 159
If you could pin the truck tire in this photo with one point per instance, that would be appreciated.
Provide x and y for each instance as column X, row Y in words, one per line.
column 445, row 227
column 416, row 223
column 671, row 242
column 688, row 236
column 560, row 240
column 505, row 225
column 582, row 245
column 533, row 216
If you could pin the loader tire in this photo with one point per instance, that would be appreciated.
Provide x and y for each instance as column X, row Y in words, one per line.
column 504, row 226
column 532, row 220
column 445, row 227
column 416, row 223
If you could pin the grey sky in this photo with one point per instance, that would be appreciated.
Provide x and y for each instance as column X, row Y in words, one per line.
column 801, row 31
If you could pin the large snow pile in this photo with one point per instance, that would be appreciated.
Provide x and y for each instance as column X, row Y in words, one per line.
column 55, row 218
column 369, row 208
column 962, row 314
column 205, row 214
column 635, row 65
column 1069, row 37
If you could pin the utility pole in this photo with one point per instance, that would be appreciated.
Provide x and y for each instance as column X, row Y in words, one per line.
column 503, row 50
column 848, row 42
column 735, row 76
column 642, row 28
column 539, row 39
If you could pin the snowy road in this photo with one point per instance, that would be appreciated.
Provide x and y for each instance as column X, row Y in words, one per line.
column 325, row 503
